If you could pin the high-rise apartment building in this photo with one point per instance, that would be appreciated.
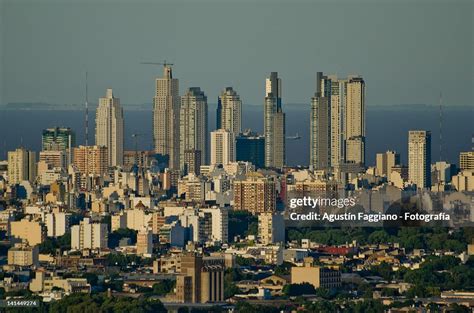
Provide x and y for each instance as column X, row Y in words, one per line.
column 222, row 147
column 59, row 139
column 30, row 231
column 54, row 158
column 91, row 160
column 193, row 125
column 220, row 223
column 385, row 162
column 88, row 235
column 256, row 194
column 354, row 120
column 229, row 111
column 419, row 158
column 274, row 123
column 466, row 160
column 109, row 128
column 21, row 166
column 166, row 105
column 337, row 133
column 320, row 124
column 271, row 228
column 250, row 147
column 144, row 242
column 192, row 162
column 337, row 103
column 57, row 223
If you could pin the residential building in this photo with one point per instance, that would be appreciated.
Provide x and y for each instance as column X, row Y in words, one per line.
column 21, row 166
column 89, row 235
column 23, row 255
column 59, row 139
column 193, row 125
column 222, row 147
column 271, row 228
column 30, row 231
column 385, row 162
column 229, row 111
column 320, row 125
column 319, row 277
column 419, row 158
column 255, row 193
column 166, row 103
column 109, row 128
column 274, row 123
column 91, row 160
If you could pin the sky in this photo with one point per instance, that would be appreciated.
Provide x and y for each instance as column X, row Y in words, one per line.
column 407, row 51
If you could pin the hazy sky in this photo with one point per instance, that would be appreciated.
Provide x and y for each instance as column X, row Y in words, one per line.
column 407, row 51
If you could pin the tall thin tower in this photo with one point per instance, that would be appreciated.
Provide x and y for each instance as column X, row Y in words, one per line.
column 440, row 127
column 274, row 123
column 87, row 114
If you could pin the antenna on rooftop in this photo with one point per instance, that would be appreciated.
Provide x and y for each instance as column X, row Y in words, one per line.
column 440, row 126
column 87, row 114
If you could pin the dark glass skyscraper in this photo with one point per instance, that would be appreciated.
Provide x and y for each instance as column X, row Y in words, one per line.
column 251, row 148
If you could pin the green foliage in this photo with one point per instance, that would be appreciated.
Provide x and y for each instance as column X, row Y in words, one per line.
column 242, row 222
column 292, row 290
column 379, row 236
column 383, row 270
column 123, row 261
column 164, row 287
column 368, row 306
column 244, row 261
column 283, row 269
column 85, row 303
column 321, row 306
column 231, row 275
column 50, row 245
column 432, row 238
column 116, row 236
column 245, row 307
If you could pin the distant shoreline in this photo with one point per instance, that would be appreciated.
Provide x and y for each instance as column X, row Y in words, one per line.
column 148, row 107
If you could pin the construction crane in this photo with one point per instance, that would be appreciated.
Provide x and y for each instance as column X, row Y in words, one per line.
column 164, row 63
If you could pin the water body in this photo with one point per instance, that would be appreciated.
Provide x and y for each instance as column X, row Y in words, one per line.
column 387, row 128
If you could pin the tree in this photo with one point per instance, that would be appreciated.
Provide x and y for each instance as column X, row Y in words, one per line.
column 164, row 287
column 292, row 290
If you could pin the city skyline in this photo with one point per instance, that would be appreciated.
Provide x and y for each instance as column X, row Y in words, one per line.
column 248, row 156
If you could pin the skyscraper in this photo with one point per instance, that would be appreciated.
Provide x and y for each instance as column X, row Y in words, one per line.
column 229, row 111
column 337, row 104
column 354, row 120
column 320, row 124
column 21, row 166
column 274, row 123
column 193, row 125
column 419, row 158
column 59, row 139
column 222, row 147
column 109, row 128
column 166, row 105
